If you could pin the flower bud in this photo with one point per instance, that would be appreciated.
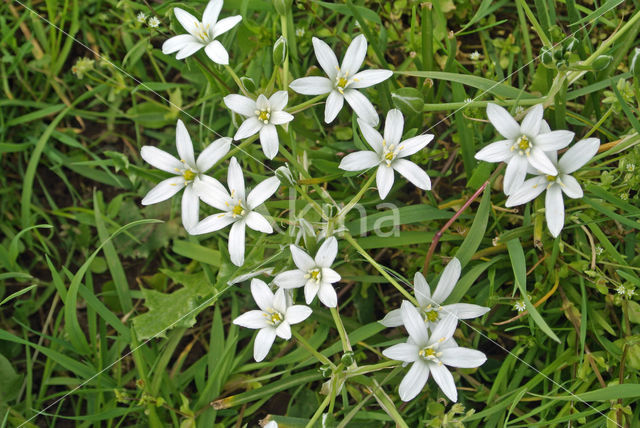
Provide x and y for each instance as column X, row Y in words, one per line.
column 409, row 100
column 284, row 175
column 347, row 358
column 279, row 51
column 602, row 62
column 547, row 57
column 248, row 83
column 634, row 64
column 282, row 6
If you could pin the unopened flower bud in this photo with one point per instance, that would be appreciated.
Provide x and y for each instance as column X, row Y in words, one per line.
column 282, row 6
column 248, row 83
column 602, row 62
column 634, row 64
column 279, row 51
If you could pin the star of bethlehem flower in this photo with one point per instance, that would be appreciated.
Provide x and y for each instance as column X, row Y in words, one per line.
column 274, row 318
column 573, row 159
column 430, row 306
column 520, row 306
column 524, row 145
column 262, row 116
column 430, row 354
column 388, row 154
column 154, row 22
column 343, row 81
column 315, row 275
column 141, row 17
column 238, row 209
column 188, row 171
column 201, row 34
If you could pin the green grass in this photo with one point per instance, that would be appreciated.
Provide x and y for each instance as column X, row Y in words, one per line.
column 111, row 315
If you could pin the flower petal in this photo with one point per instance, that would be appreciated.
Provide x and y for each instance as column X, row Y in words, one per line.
column 188, row 21
column 280, row 301
column 384, row 180
column 393, row 127
column 212, row 223
column 448, row 281
column 176, row 43
column 362, row 106
column 515, row 174
column 334, row 104
column 326, row 58
column 248, row 128
column 164, row 190
column 280, row 117
column 367, row 78
column 262, row 192
column 414, row 144
column 371, row 136
column 264, row 341
column 465, row 311
column 278, row 100
column 217, row 53
column 211, row 12
column 311, row 289
column 302, row 260
column 236, row 242
column 578, row 155
column 327, row 295
column 330, row 276
column 184, row 145
column 253, row 319
column 421, row 290
column 312, row 85
column 392, row 319
column 354, row 57
column 213, row 153
column 540, row 161
column 570, row 186
column 297, row 313
column 414, row 381
column 412, row 172
column 503, row 122
column 327, row 252
column 444, row 379
column 225, row 25
column 235, row 179
column 463, row 358
column 530, row 125
column 407, row 352
column 256, row 221
column 529, row 190
column 283, row 331
column 269, row 140
column 415, row 325
column 290, row 279
column 190, row 208
column 262, row 294
column 500, row 151
column 554, row 210
column 240, row 104
column 554, row 140
column 212, row 192
column 359, row 161
column 161, row 160
column 444, row 329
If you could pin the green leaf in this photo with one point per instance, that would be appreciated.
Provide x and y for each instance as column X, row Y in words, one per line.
column 613, row 392
column 476, row 233
column 409, row 100
column 197, row 252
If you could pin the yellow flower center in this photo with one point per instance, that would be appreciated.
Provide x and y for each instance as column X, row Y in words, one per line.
column 431, row 315
column 237, row 210
column 427, row 352
column 552, row 177
column 315, row 275
column 264, row 115
column 188, row 175
column 202, row 31
column 389, row 156
column 342, row 82
column 523, row 143
column 276, row 318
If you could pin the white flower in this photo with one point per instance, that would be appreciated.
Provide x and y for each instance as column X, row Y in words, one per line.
column 573, row 159
column 189, row 172
column 201, row 34
column 315, row 274
column 154, row 22
column 430, row 306
column 237, row 208
column 388, row 153
column 525, row 145
column 299, row 32
column 141, row 17
column 430, row 354
column 343, row 81
column 273, row 319
column 475, row 55
column 262, row 116
column 520, row 306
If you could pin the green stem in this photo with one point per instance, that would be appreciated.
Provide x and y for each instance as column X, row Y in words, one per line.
column 346, row 346
column 285, row 66
column 236, row 79
column 305, row 105
column 352, row 203
column 312, row 351
column 372, row 368
column 318, row 412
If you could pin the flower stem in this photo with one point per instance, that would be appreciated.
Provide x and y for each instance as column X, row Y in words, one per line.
column 346, row 346
column 305, row 105
column 372, row 368
column 285, row 65
column 318, row 412
column 236, row 79
column 301, row 340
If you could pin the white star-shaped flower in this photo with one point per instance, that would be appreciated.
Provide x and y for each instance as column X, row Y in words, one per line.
column 430, row 354
column 315, row 275
column 238, row 208
column 154, row 22
column 343, row 81
column 525, row 144
column 188, row 171
column 262, row 115
column 388, row 153
column 202, row 34
column 574, row 158
column 273, row 319
column 430, row 306
column 141, row 17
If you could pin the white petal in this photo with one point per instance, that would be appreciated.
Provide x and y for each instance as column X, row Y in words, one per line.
column 313, row 85
column 554, row 140
column 269, row 140
column 188, row 21
column 213, row 153
column 464, row 358
column 217, row 53
column 354, row 57
column 280, row 117
column 465, row 311
column 257, row 222
column 236, row 243
column 327, row 252
column 280, row 301
column 302, row 260
column 190, row 208
column 189, row 49
column 540, row 161
column 362, row 106
column 278, row 100
column 367, row 78
column 212, row 192
column 248, row 128
column 327, row 295
column 444, row 379
column 515, row 174
column 262, row 294
column 184, row 145
column 500, row 151
column 330, row 276
column 235, row 179
column 290, row 279
column 240, row 104
column 530, row 125
column 161, row 159
column 297, row 313
column 503, row 122
column 252, row 319
column 421, row 290
column 262, row 192
column 212, row 223
column 359, row 161
column 407, row 352
column 448, row 281
column 392, row 319
column 284, row 331
column 262, row 345
column 414, row 381
column 176, row 43
column 225, row 25
column 164, row 190
column 570, row 186
column 326, row 58
column 393, row 127
column 578, row 155
column 444, row 329
column 554, row 210
column 371, row 136
column 334, row 104
column 262, row 102
column 384, row 180
column 311, row 289
column 413, row 145
column 415, row 325
column 412, row 172
column 529, row 190
column 211, row 12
